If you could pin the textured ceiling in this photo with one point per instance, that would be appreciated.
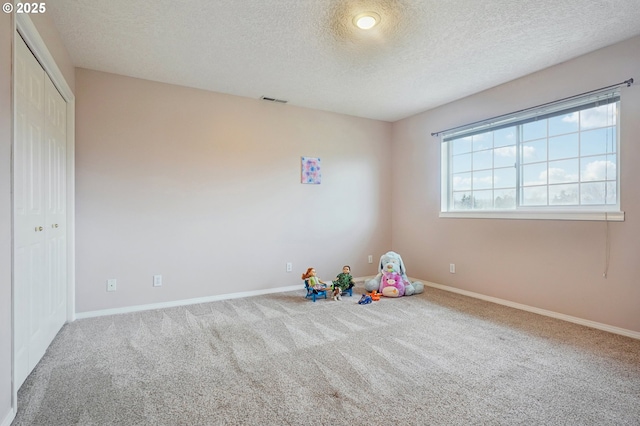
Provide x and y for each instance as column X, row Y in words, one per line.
column 424, row 53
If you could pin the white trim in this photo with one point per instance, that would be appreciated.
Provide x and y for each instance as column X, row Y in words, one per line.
column 174, row 303
column 14, row 391
column 544, row 312
column 599, row 216
column 207, row 299
column 568, row 318
column 71, row 210
column 9, row 418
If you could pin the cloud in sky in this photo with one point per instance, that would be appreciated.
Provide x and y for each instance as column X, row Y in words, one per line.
column 510, row 151
column 485, row 181
column 557, row 175
column 601, row 116
column 594, row 170
column 598, row 170
column 507, row 151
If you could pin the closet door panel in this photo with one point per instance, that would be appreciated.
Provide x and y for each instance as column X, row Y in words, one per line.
column 55, row 202
column 39, row 212
column 29, row 216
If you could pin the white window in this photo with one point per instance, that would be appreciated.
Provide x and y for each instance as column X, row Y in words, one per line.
column 555, row 159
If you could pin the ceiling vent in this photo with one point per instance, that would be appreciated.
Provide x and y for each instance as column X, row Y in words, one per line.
column 265, row 98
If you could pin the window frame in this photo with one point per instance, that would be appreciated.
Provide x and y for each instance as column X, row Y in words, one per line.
column 607, row 212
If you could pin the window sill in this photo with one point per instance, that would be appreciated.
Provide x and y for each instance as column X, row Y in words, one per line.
column 532, row 215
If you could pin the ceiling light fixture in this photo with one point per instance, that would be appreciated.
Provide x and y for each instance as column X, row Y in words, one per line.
column 366, row 20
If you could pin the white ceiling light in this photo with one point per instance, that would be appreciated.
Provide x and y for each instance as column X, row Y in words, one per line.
column 366, row 20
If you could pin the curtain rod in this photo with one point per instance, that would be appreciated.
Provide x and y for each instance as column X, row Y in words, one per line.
column 627, row 82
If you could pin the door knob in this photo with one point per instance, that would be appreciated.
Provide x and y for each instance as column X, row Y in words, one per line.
column 38, row 228
column 54, row 226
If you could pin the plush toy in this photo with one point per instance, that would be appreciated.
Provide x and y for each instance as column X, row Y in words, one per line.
column 391, row 283
column 390, row 292
column 393, row 257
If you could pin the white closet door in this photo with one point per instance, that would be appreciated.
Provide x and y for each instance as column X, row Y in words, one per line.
column 55, row 122
column 39, row 204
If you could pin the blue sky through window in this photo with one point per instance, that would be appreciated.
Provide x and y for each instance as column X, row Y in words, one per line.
column 564, row 160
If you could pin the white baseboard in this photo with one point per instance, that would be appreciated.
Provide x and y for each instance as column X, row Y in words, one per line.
column 9, row 418
column 171, row 304
column 569, row 318
column 174, row 303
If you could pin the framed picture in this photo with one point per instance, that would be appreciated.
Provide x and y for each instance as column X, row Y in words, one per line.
column 311, row 170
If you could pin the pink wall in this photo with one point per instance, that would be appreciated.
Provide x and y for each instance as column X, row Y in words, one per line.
column 205, row 189
column 6, row 38
column 552, row 265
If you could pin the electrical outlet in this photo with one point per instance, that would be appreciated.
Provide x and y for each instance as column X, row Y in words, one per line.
column 370, row 258
column 157, row 280
column 452, row 268
column 111, row 284
column 289, row 266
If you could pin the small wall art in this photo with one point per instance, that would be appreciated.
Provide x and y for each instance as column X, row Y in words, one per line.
column 311, row 171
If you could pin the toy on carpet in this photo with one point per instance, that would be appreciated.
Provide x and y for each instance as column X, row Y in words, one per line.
column 317, row 286
column 314, row 285
column 344, row 282
column 377, row 282
column 314, row 282
column 391, row 283
column 336, row 294
column 364, row 300
column 375, row 296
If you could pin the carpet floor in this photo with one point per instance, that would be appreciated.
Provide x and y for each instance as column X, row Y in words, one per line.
column 437, row 358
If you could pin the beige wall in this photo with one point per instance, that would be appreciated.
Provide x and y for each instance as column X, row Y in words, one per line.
column 205, row 189
column 6, row 38
column 552, row 265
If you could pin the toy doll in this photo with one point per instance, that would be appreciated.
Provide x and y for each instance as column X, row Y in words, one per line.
column 343, row 281
column 315, row 283
column 318, row 285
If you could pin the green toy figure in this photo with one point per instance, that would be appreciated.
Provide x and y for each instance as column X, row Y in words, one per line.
column 343, row 282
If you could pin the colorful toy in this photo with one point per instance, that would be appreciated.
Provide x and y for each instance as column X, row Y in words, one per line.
column 314, row 285
column 364, row 300
column 313, row 294
column 344, row 282
column 375, row 296
column 390, row 292
column 391, row 283
column 393, row 257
